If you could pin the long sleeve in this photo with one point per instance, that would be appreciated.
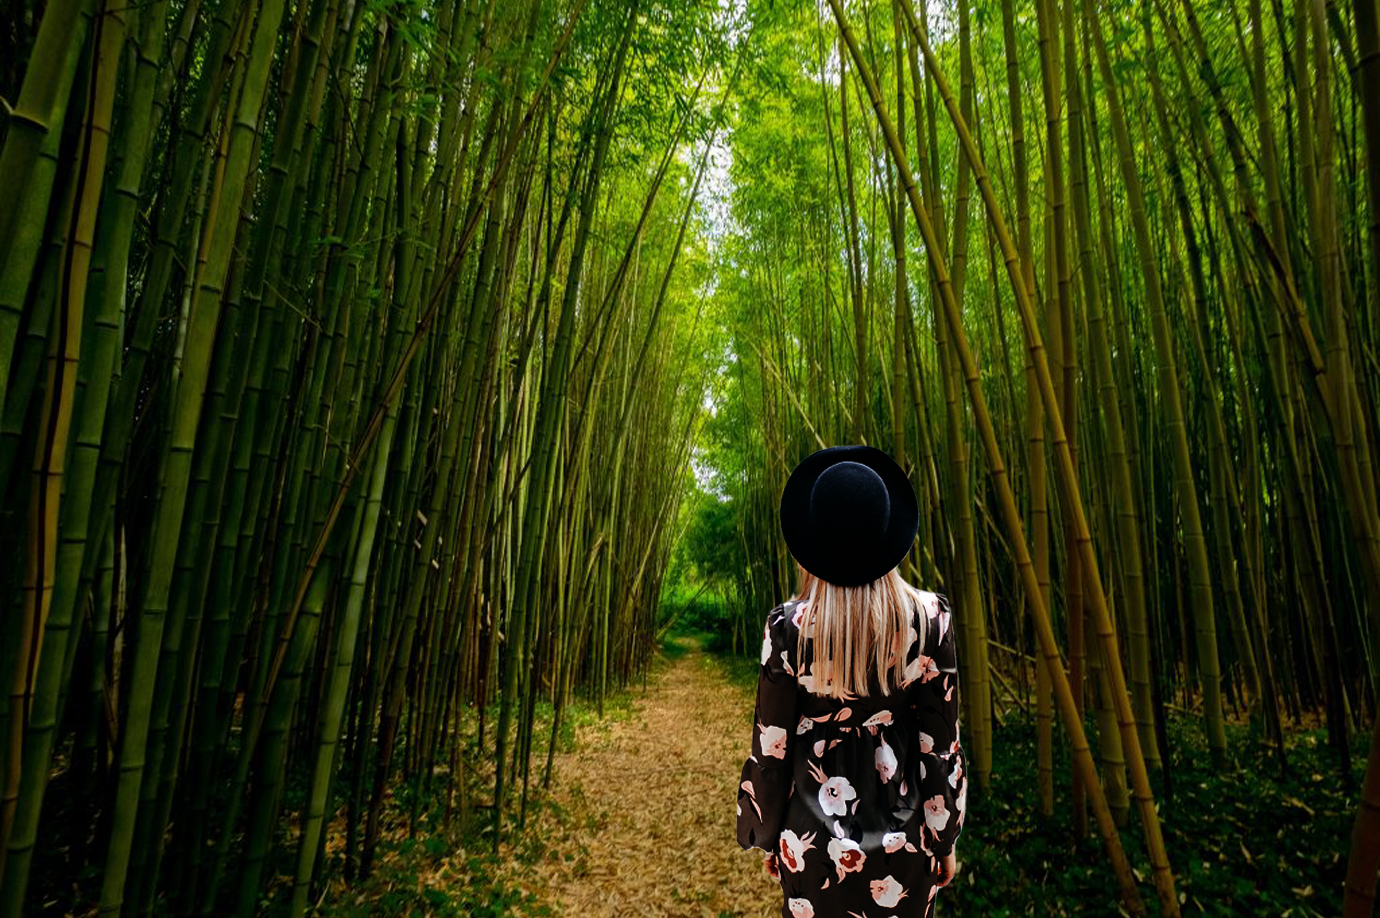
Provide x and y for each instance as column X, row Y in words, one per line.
column 765, row 787
column 944, row 787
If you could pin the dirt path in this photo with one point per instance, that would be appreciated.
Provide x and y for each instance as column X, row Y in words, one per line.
column 650, row 823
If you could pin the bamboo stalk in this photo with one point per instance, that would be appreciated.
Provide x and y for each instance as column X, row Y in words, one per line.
column 1049, row 648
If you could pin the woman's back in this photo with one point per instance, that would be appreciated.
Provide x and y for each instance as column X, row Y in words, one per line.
column 857, row 795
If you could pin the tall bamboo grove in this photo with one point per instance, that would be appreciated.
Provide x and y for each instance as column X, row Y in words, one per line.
column 353, row 356
column 1102, row 277
column 350, row 360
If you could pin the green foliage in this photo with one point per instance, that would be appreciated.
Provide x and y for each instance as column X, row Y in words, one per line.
column 712, row 539
column 1242, row 840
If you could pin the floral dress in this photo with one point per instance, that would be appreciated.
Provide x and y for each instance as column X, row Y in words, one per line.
column 858, row 797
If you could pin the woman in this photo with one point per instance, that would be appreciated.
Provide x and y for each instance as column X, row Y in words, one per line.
column 856, row 785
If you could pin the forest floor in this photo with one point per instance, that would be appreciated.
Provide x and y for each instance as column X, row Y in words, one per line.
column 644, row 823
column 639, row 820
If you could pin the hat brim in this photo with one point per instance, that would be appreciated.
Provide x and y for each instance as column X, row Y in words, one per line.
column 846, row 565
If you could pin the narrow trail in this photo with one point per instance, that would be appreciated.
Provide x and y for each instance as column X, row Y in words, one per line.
column 649, row 828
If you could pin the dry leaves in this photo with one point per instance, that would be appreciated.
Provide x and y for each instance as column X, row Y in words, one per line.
column 650, row 823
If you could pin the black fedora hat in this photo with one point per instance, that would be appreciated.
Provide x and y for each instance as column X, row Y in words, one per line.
column 849, row 514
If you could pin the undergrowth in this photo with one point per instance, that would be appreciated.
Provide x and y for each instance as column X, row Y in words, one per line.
column 437, row 867
column 1250, row 839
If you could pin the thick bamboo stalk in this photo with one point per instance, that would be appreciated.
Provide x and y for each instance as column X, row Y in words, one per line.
column 1140, row 781
column 1082, row 756
column 243, row 133
column 106, row 292
column 32, row 129
column 339, row 677
column 50, row 458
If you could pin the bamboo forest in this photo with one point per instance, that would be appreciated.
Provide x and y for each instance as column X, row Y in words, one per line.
column 396, row 398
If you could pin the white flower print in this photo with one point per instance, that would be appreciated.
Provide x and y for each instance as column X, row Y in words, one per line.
column 926, row 742
column 801, row 908
column 786, row 664
column 766, row 647
column 893, row 841
column 956, row 775
column 936, row 814
column 881, row 717
column 847, row 855
column 773, row 741
column 887, row 892
column 912, row 670
column 793, row 849
column 886, row 761
column 804, row 725
column 834, row 795
column 922, row 667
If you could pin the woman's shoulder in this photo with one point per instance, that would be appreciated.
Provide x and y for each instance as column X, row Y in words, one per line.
column 779, row 635
column 930, row 599
column 939, row 636
column 930, row 617
column 787, row 614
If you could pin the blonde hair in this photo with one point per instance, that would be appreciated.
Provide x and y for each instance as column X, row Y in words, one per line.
column 857, row 632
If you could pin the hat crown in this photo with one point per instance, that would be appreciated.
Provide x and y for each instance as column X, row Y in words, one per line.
column 849, row 514
column 849, row 504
